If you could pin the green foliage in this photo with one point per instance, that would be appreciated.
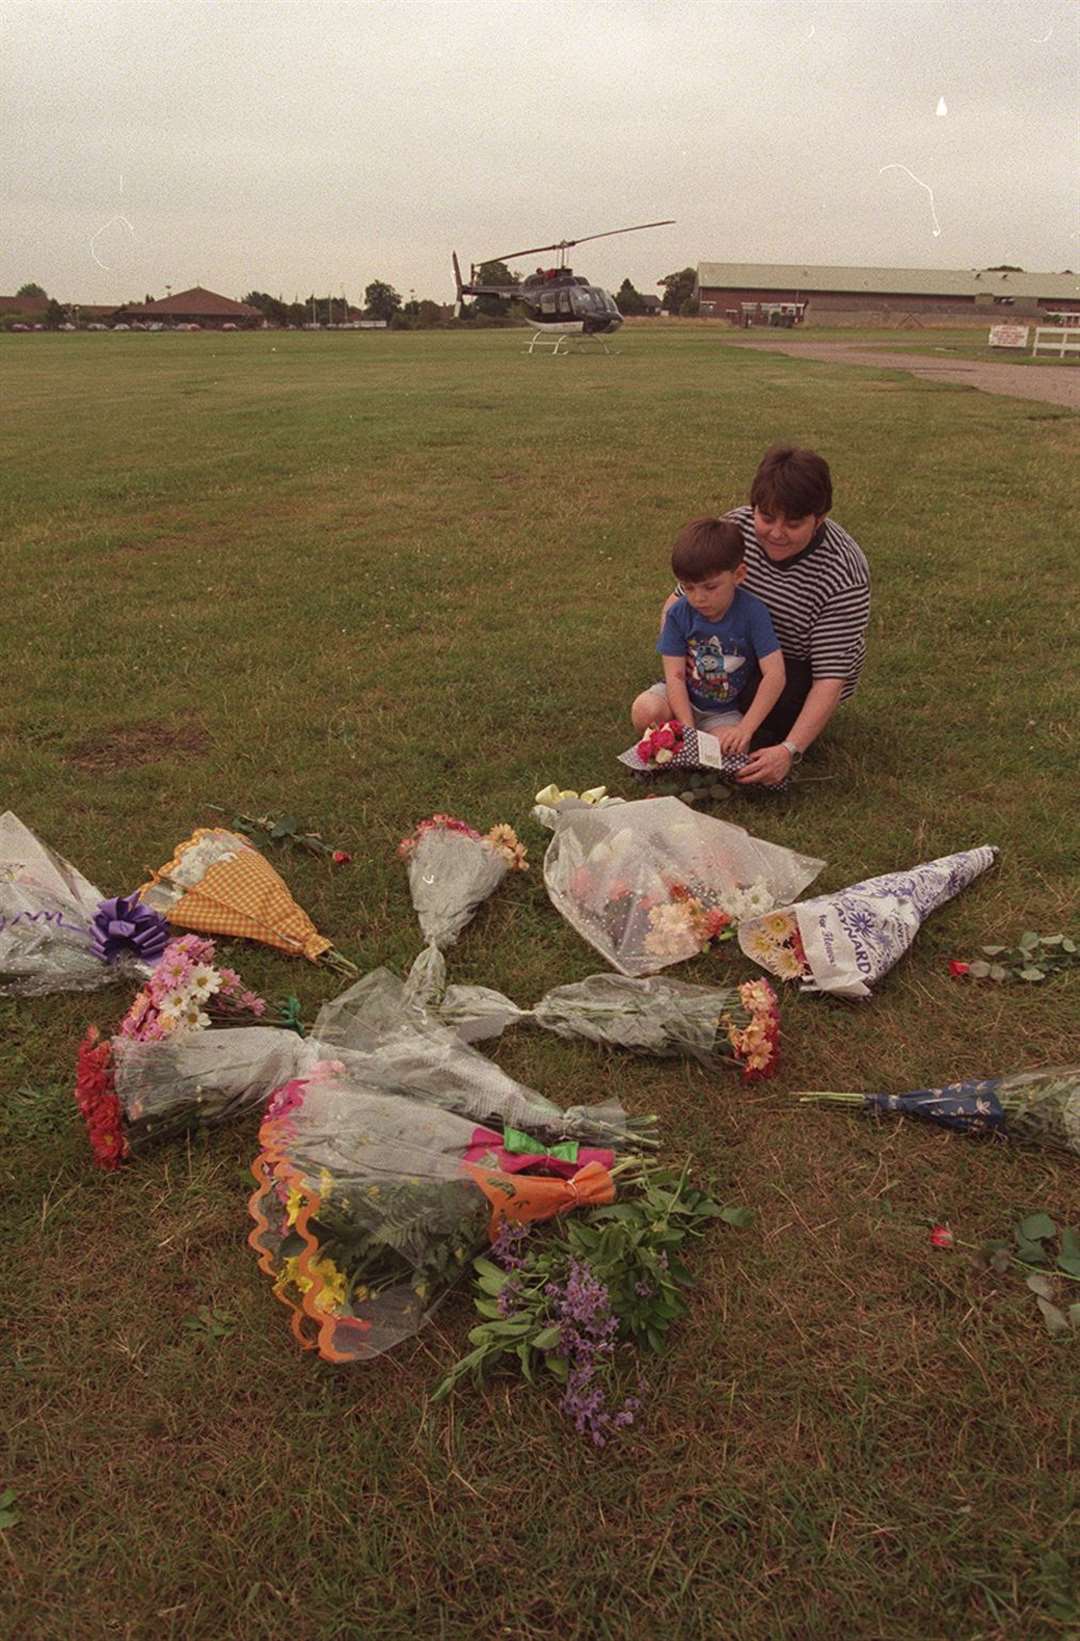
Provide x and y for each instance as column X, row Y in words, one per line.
column 381, row 301
column 55, row 315
column 211, row 1324
column 678, row 288
column 630, row 1247
column 628, row 300
column 1034, row 957
column 31, row 289
column 275, row 310
column 9, row 1516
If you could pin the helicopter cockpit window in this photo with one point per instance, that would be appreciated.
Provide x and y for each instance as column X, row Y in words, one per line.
column 565, row 305
column 548, row 302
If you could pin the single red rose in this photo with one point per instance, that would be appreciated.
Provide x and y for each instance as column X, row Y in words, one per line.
column 958, row 970
column 941, row 1236
column 341, row 857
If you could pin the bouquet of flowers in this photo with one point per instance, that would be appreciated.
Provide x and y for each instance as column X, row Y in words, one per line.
column 666, row 748
column 400, row 1046
column 57, row 932
column 653, row 882
column 1039, row 1107
column 164, row 1072
column 657, row 1015
column 370, row 1205
column 841, row 943
column 551, row 801
column 452, row 870
column 217, row 882
column 569, row 1304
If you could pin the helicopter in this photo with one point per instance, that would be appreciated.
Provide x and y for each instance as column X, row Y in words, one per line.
column 556, row 299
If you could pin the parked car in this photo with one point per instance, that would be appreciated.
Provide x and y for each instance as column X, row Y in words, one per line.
column 20, row 327
column 96, row 326
column 68, row 327
column 121, row 327
column 228, row 327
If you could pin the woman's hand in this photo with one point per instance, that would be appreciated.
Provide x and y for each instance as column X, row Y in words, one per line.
column 767, row 766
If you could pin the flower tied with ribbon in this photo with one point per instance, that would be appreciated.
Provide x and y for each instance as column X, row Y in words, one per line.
column 125, row 927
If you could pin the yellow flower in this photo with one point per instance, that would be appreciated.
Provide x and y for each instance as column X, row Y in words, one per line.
column 759, row 947
column 331, row 1295
column 786, row 965
column 293, row 1204
column 548, row 795
column 594, row 794
column 779, row 924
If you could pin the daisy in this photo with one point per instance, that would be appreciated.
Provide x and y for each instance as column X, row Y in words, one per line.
column 759, row 947
column 781, row 925
column 204, row 981
column 785, row 965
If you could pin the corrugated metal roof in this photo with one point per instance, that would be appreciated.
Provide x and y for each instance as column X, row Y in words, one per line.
column 786, row 276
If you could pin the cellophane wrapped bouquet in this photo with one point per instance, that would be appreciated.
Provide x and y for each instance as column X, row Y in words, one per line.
column 729, row 1025
column 1038, row 1107
column 370, row 1202
column 842, row 943
column 164, row 1071
column 653, row 883
column 59, row 933
column 452, row 870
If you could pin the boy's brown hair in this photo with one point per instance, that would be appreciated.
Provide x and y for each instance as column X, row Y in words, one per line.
column 793, row 482
column 705, row 547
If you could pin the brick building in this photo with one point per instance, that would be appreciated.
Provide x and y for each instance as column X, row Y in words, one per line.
column 726, row 290
column 195, row 307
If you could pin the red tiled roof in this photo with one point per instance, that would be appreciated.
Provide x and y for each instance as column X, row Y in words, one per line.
column 197, row 302
column 23, row 304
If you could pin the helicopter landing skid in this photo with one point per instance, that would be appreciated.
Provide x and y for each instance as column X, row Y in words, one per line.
column 559, row 343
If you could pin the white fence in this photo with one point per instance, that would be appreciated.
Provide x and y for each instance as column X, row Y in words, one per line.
column 1053, row 339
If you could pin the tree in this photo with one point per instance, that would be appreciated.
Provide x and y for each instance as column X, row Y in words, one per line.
column 494, row 273
column 271, row 307
column 1003, row 267
column 381, row 301
column 55, row 315
column 628, row 300
column 32, row 290
column 678, row 288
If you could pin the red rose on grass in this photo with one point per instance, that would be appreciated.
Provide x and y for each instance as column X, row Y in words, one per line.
column 958, row 970
column 341, row 857
column 941, row 1236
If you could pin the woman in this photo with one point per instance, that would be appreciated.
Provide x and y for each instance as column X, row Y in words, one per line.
column 815, row 581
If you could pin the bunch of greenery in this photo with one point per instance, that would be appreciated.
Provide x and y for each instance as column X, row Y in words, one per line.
column 608, row 1276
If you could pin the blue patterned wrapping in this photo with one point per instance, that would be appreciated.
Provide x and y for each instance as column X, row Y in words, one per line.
column 972, row 1107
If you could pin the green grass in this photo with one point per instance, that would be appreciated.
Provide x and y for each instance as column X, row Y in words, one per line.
column 362, row 577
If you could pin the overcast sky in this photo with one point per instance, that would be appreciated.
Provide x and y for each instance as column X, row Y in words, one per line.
column 292, row 145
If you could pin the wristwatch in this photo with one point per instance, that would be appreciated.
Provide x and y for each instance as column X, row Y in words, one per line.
column 795, row 751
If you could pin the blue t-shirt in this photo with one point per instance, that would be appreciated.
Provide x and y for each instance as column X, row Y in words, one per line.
column 721, row 656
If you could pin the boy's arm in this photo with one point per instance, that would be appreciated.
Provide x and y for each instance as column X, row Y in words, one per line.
column 675, row 683
column 768, row 692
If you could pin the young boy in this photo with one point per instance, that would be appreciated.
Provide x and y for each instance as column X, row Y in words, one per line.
column 716, row 640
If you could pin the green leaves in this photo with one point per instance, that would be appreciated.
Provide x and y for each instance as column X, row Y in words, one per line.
column 9, row 1517
column 265, row 830
column 1033, row 958
column 210, row 1323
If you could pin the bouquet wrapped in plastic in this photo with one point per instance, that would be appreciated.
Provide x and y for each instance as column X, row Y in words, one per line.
column 166, row 1072
column 217, row 882
column 842, row 943
column 59, row 933
column 371, row 1204
column 452, row 871
column 654, row 882
column 1038, row 1107
column 714, row 1025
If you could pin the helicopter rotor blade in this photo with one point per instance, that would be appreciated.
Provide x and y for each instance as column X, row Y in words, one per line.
column 565, row 244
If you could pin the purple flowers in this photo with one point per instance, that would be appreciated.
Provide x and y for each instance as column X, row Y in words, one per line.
column 587, row 1341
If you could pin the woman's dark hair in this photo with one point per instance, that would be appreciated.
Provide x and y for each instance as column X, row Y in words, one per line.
column 793, row 482
column 705, row 547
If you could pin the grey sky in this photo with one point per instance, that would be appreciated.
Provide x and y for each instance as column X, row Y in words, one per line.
column 286, row 145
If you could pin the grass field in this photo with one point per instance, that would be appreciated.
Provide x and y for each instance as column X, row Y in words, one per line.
column 364, row 577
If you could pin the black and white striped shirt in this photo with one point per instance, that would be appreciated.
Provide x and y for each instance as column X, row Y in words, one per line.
column 819, row 600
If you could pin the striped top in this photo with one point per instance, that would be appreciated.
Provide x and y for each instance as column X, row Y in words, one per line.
column 819, row 601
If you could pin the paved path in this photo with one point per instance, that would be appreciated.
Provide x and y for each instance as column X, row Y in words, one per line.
column 1044, row 383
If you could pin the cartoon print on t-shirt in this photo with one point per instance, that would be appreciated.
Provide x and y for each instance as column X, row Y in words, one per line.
column 711, row 668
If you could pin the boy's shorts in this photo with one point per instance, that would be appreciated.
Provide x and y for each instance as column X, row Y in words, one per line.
column 710, row 722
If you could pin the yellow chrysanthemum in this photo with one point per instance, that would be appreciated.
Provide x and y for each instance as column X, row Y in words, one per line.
column 786, row 965
column 759, row 946
column 781, row 925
